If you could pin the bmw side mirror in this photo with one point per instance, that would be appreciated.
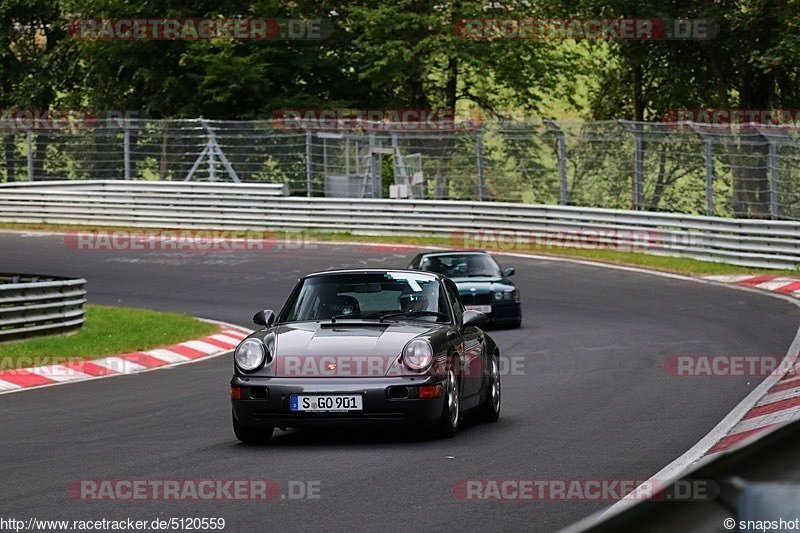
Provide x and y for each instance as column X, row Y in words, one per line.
column 264, row 318
column 474, row 318
column 510, row 271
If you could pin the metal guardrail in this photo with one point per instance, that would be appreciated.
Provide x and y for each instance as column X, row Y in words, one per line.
column 493, row 225
column 39, row 305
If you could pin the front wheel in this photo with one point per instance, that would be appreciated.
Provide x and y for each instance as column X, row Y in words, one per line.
column 251, row 435
column 447, row 426
column 489, row 409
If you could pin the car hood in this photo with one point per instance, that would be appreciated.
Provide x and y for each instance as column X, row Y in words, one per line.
column 482, row 285
column 307, row 347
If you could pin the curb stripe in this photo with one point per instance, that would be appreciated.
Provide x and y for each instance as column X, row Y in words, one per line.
column 772, row 408
column 791, row 287
column 25, row 378
column 783, row 385
column 732, row 440
column 58, row 373
column 90, row 368
column 144, row 359
column 202, row 346
column 755, row 280
column 173, row 355
column 7, row 385
column 219, row 343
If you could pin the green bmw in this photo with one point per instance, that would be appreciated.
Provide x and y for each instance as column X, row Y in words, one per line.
column 482, row 284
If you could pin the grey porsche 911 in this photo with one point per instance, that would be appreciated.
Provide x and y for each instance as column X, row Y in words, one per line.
column 365, row 347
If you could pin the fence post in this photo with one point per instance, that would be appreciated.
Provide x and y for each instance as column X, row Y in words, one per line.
column 29, row 146
column 308, row 164
column 773, row 180
column 126, row 148
column 481, row 170
column 638, row 162
column 561, row 152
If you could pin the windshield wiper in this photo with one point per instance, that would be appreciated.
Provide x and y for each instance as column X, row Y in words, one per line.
column 334, row 318
column 412, row 314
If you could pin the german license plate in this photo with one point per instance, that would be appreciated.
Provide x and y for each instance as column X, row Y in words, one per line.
column 486, row 309
column 326, row 403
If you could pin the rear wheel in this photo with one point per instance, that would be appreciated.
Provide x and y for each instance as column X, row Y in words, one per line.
column 489, row 409
column 251, row 435
column 447, row 426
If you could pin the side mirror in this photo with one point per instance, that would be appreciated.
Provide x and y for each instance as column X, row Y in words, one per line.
column 474, row 318
column 510, row 271
column 264, row 318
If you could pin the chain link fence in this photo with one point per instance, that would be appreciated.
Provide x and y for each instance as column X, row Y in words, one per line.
column 743, row 171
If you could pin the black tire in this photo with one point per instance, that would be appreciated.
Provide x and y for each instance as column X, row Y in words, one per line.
column 489, row 409
column 447, row 426
column 251, row 435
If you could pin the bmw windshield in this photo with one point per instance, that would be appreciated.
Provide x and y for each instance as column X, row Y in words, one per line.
column 380, row 296
column 469, row 265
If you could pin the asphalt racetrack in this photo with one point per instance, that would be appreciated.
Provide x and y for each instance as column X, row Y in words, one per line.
column 585, row 396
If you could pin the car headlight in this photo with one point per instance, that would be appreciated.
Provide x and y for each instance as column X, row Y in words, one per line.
column 250, row 354
column 418, row 354
column 507, row 295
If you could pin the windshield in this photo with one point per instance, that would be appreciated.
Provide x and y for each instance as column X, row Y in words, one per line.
column 461, row 265
column 391, row 296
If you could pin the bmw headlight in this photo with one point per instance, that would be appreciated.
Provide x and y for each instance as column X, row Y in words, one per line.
column 506, row 295
column 250, row 355
column 418, row 354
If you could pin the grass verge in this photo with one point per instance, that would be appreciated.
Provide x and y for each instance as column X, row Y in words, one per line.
column 107, row 331
column 679, row 265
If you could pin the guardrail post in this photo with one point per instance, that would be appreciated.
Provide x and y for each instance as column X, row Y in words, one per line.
column 308, row 164
column 561, row 152
column 29, row 148
column 481, row 170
